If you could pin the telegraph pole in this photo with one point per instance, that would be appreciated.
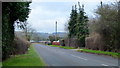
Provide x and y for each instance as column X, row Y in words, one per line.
column 101, row 4
column 56, row 31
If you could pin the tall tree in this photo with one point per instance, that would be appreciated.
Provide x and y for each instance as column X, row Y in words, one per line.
column 107, row 25
column 82, row 29
column 72, row 22
column 11, row 12
column 77, row 24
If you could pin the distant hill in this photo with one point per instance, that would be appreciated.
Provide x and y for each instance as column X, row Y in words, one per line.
column 44, row 35
column 60, row 34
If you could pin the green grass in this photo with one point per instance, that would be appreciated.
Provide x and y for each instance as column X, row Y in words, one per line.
column 30, row 59
column 65, row 47
column 100, row 52
column 0, row 64
column 54, row 45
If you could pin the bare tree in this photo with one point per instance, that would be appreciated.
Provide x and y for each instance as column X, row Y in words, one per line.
column 28, row 31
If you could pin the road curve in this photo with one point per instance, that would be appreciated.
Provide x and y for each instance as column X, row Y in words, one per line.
column 54, row 56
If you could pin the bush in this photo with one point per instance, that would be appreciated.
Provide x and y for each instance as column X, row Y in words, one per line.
column 49, row 43
column 95, row 42
column 62, row 42
column 72, row 42
column 20, row 46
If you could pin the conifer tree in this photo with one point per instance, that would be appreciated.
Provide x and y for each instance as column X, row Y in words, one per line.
column 82, row 29
column 72, row 22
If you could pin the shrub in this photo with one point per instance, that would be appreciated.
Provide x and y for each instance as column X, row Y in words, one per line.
column 72, row 42
column 95, row 42
column 49, row 43
column 20, row 46
column 62, row 42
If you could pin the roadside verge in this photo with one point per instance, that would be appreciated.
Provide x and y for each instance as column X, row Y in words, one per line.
column 29, row 59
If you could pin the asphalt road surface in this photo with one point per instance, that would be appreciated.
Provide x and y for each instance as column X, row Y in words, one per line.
column 54, row 56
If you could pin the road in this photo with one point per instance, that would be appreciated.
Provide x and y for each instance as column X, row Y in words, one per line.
column 54, row 56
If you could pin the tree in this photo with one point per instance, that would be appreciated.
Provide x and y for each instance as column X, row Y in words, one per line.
column 81, row 26
column 72, row 22
column 77, row 24
column 107, row 25
column 52, row 38
column 28, row 31
column 11, row 13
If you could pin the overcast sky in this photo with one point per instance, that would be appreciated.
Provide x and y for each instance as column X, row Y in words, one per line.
column 44, row 13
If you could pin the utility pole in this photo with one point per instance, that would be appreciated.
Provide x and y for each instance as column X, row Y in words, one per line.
column 56, row 31
column 101, row 4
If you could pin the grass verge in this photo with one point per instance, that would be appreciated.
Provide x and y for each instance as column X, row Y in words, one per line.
column 30, row 59
column 0, row 64
column 65, row 47
column 113, row 54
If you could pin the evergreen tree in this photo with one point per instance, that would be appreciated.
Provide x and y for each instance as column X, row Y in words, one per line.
column 77, row 25
column 72, row 22
column 11, row 12
column 82, row 29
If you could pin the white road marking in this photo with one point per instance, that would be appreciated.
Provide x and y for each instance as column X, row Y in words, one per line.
column 80, row 57
column 104, row 65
